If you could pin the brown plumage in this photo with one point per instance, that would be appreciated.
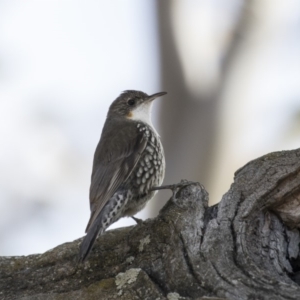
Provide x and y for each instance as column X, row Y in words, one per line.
column 128, row 162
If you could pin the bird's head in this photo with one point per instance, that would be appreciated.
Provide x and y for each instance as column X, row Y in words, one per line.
column 133, row 105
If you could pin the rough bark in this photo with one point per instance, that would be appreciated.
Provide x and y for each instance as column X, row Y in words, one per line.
column 246, row 247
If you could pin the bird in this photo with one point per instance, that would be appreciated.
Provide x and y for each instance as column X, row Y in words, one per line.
column 128, row 164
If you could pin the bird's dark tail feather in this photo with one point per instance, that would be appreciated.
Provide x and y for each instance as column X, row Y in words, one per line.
column 89, row 239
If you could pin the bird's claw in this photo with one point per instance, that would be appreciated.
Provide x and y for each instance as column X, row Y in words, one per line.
column 174, row 187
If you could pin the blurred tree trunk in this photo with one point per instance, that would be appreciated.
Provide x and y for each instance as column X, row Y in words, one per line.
column 246, row 247
column 187, row 118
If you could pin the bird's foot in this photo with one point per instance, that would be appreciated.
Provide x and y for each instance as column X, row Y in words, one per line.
column 174, row 187
column 138, row 221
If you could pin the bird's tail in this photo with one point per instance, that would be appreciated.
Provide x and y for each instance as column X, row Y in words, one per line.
column 110, row 213
column 90, row 238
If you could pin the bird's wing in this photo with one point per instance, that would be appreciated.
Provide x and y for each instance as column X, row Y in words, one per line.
column 115, row 158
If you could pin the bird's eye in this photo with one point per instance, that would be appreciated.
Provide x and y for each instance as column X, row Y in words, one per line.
column 131, row 102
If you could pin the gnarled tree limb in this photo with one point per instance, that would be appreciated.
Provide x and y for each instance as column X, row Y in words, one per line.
column 246, row 247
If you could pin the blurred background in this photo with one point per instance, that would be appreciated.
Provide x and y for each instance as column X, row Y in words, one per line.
column 231, row 69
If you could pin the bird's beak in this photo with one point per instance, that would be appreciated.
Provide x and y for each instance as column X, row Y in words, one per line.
column 154, row 96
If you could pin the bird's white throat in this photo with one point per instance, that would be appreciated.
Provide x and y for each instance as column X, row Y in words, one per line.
column 143, row 113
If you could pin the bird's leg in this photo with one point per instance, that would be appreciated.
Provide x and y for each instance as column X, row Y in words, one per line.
column 173, row 187
column 138, row 221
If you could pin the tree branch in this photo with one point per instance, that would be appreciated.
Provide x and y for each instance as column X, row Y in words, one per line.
column 246, row 247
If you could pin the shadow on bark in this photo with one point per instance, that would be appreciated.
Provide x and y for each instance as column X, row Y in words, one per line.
column 245, row 247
